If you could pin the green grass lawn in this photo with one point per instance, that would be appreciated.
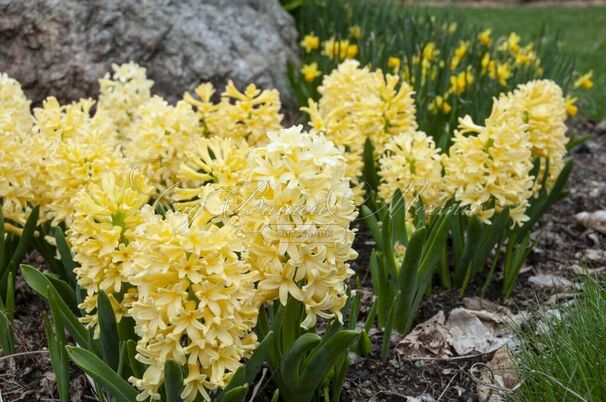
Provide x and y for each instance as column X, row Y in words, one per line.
column 583, row 31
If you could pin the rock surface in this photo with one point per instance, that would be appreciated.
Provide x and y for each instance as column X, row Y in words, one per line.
column 62, row 47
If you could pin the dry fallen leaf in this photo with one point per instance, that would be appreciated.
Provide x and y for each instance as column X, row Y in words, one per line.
column 428, row 339
column 550, row 281
column 592, row 255
column 499, row 372
column 593, row 220
column 482, row 327
column 474, row 331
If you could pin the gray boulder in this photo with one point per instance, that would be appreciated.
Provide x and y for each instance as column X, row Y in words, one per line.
column 62, row 47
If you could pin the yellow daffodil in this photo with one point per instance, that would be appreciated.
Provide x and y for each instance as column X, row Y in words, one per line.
column 393, row 62
column 485, row 38
column 430, row 51
column 440, row 104
column 341, row 50
column 571, row 107
column 499, row 71
column 461, row 81
column 512, row 44
column 310, row 42
column 310, row 72
column 352, row 51
column 355, row 31
column 458, row 54
column 585, row 81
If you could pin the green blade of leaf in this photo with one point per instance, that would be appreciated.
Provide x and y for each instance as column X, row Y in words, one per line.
column 398, row 218
column 101, row 372
column 22, row 246
column 389, row 327
column 370, row 171
column 66, row 256
column 173, row 381
column 252, row 366
column 2, row 245
column 40, row 283
column 109, row 333
column 324, row 357
column 236, row 394
column 293, row 358
column 58, row 356
column 135, row 365
column 408, row 280
column 370, row 220
column 71, row 322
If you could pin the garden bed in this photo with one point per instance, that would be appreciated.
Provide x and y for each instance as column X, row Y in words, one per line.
column 559, row 244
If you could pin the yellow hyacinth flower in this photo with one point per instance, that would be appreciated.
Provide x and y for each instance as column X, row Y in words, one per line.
column 544, row 108
column 247, row 115
column 196, row 302
column 411, row 163
column 105, row 215
column 302, row 255
column 487, row 167
column 77, row 150
column 160, row 139
column 18, row 172
column 122, row 94
column 384, row 107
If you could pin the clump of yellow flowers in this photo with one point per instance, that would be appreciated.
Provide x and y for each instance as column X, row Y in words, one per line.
column 17, row 188
column 122, row 93
column 263, row 212
column 544, row 108
column 488, row 167
column 75, row 149
column 160, row 139
column 247, row 115
column 411, row 163
column 95, row 167
column 196, row 301
column 101, row 235
column 357, row 103
column 297, row 217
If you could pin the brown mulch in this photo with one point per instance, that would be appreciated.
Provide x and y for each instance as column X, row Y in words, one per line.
column 559, row 243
